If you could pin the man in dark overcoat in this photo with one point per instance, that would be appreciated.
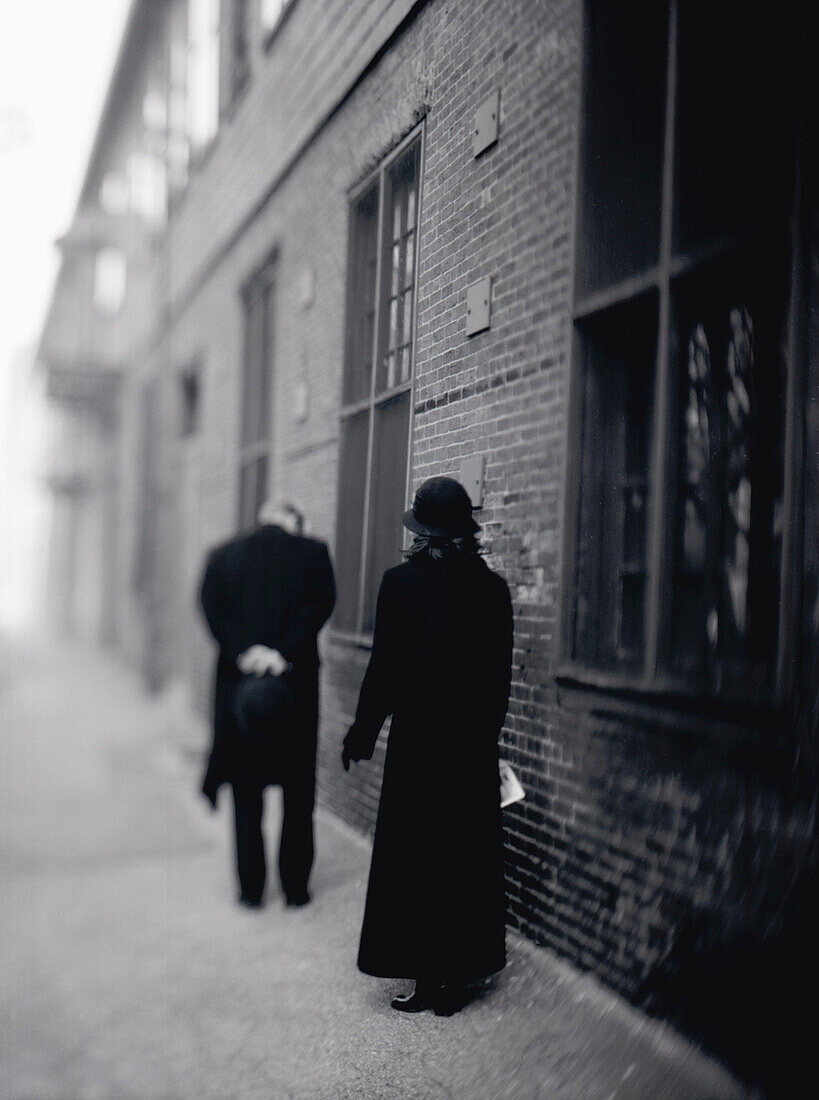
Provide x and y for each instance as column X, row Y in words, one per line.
column 265, row 597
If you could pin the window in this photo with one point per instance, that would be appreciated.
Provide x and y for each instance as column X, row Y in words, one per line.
column 109, row 280
column 239, row 44
column 203, row 71
column 683, row 318
column 270, row 13
column 257, row 395
column 178, row 143
column 148, row 479
column 147, row 186
column 155, row 112
column 189, row 400
column 375, row 418
column 114, row 193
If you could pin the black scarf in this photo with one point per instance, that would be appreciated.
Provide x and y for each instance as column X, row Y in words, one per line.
column 438, row 547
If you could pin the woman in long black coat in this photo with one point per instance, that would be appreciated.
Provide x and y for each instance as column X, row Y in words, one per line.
column 440, row 664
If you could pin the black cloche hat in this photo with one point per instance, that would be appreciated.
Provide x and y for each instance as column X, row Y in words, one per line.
column 441, row 508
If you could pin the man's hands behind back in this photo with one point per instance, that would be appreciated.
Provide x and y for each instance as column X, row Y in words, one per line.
column 259, row 659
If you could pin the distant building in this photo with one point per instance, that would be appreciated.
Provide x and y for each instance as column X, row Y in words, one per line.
column 24, row 499
column 566, row 253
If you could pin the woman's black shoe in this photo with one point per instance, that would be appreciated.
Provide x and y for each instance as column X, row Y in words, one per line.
column 418, row 1001
column 296, row 901
column 411, row 1002
column 449, row 1000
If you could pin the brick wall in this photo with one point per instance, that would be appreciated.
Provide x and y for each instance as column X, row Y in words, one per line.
column 650, row 841
column 321, row 48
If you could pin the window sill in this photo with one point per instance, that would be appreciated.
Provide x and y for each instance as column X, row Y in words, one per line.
column 668, row 706
column 382, row 398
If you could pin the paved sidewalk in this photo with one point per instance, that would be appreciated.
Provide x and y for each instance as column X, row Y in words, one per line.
column 127, row 971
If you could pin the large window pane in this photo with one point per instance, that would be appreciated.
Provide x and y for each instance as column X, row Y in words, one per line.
column 622, row 141
column 611, row 555
column 728, row 525
column 255, row 405
column 269, row 13
column 395, row 360
column 389, row 474
column 361, row 298
column 203, row 70
column 109, row 279
column 734, row 120
column 257, row 388
column 252, row 491
column 240, row 46
column 350, row 523
column 378, row 361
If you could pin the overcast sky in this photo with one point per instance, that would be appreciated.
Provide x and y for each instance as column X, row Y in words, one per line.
column 56, row 58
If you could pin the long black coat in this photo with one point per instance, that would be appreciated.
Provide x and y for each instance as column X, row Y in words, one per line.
column 275, row 589
column 440, row 665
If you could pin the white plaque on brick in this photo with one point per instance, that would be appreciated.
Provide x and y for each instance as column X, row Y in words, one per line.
column 307, row 287
column 471, row 477
column 478, row 305
column 301, row 401
column 485, row 130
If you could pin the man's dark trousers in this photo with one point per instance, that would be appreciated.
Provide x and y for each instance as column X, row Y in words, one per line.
column 295, row 845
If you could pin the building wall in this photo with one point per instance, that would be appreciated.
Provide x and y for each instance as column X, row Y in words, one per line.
column 317, row 54
column 656, row 846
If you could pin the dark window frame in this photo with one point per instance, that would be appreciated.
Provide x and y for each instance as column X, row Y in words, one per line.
column 238, row 46
column 201, row 149
column 652, row 678
column 190, row 399
column 376, row 400
column 237, row 37
column 255, row 441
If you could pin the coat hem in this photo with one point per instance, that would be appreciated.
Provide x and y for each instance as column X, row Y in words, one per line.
column 391, row 973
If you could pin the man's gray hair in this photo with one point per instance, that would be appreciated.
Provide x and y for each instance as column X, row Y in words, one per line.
column 282, row 513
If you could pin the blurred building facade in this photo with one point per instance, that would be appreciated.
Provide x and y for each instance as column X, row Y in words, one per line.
column 567, row 254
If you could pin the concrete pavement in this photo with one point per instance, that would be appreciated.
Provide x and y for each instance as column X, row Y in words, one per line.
column 126, row 970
